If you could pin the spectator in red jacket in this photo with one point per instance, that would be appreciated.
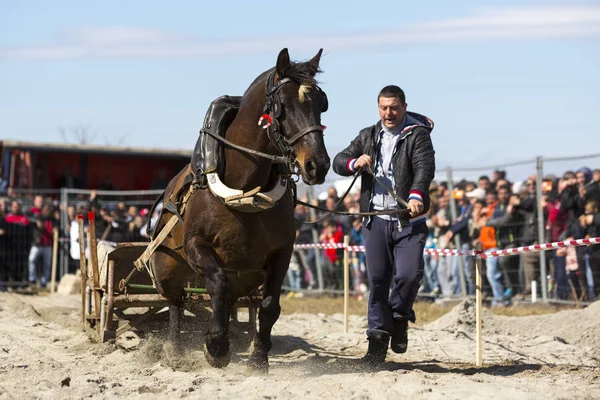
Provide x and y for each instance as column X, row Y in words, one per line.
column 333, row 260
column 42, row 245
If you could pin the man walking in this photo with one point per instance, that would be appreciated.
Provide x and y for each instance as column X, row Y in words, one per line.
column 398, row 149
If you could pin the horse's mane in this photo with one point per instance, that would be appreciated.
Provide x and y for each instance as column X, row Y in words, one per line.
column 302, row 73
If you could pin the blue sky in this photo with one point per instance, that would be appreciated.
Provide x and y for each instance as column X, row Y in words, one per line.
column 502, row 80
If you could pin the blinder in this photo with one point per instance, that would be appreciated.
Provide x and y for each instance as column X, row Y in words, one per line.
column 326, row 103
column 274, row 108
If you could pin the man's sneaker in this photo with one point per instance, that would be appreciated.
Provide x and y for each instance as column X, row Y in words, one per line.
column 400, row 335
column 378, row 345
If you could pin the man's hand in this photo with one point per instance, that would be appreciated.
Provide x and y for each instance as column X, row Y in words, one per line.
column 448, row 235
column 586, row 220
column 415, row 207
column 362, row 161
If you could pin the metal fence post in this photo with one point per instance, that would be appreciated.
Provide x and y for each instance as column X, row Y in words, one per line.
column 64, row 218
column 315, row 237
column 453, row 215
column 541, row 225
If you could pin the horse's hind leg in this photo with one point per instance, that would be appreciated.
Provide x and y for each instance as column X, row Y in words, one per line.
column 269, row 311
column 175, row 314
column 173, row 348
column 216, row 348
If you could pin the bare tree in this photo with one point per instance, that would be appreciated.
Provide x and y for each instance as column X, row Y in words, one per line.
column 117, row 140
column 81, row 133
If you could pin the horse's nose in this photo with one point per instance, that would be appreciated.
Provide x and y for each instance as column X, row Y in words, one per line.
column 316, row 169
column 311, row 169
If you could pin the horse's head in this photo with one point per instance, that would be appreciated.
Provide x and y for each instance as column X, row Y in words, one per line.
column 295, row 103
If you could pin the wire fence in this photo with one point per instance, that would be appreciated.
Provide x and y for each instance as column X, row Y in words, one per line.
column 16, row 246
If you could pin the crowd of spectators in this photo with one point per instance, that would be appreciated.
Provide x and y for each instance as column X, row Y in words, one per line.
column 492, row 211
column 27, row 225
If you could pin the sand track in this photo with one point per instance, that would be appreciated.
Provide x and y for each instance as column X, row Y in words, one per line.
column 44, row 354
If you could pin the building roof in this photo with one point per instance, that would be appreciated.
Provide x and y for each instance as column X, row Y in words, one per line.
column 92, row 148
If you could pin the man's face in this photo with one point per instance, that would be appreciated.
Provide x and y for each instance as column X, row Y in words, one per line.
column 500, row 183
column 484, row 184
column 530, row 186
column 391, row 111
column 590, row 209
column 348, row 202
column 490, row 199
column 580, row 178
column 38, row 201
column 443, row 202
column 503, row 195
column 15, row 207
column 330, row 203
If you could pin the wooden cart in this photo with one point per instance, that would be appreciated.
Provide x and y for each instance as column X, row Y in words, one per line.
column 110, row 309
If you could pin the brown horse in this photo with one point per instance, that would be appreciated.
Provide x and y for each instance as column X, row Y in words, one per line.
column 235, row 252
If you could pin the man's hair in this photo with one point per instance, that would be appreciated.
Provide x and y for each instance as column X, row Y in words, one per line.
column 392, row 91
column 484, row 177
column 481, row 203
column 595, row 204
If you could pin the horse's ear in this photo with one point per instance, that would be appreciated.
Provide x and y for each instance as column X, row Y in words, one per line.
column 283, row 62
column 316, row 59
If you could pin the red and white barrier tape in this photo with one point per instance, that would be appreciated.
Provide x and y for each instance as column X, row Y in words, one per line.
column 540, row 247
column 450, row 252
column 484, row 254
column 328, row 246
column 320, row 246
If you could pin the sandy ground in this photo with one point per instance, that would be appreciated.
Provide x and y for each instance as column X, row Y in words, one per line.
column 44, row 354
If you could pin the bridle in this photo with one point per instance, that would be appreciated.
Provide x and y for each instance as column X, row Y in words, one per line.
column 273, row 109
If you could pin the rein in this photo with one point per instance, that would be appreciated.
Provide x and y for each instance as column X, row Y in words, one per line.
column 275, row 159
column 404, row 212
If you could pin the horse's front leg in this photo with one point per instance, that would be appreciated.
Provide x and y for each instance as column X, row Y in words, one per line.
column 270, row 309
column 216, row 348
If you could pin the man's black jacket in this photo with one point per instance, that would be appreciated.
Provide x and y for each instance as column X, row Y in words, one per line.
column 413, row 160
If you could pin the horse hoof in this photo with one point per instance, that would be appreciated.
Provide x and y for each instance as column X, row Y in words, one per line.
column 217, row 362
column 258, row 366
column 173, row 355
